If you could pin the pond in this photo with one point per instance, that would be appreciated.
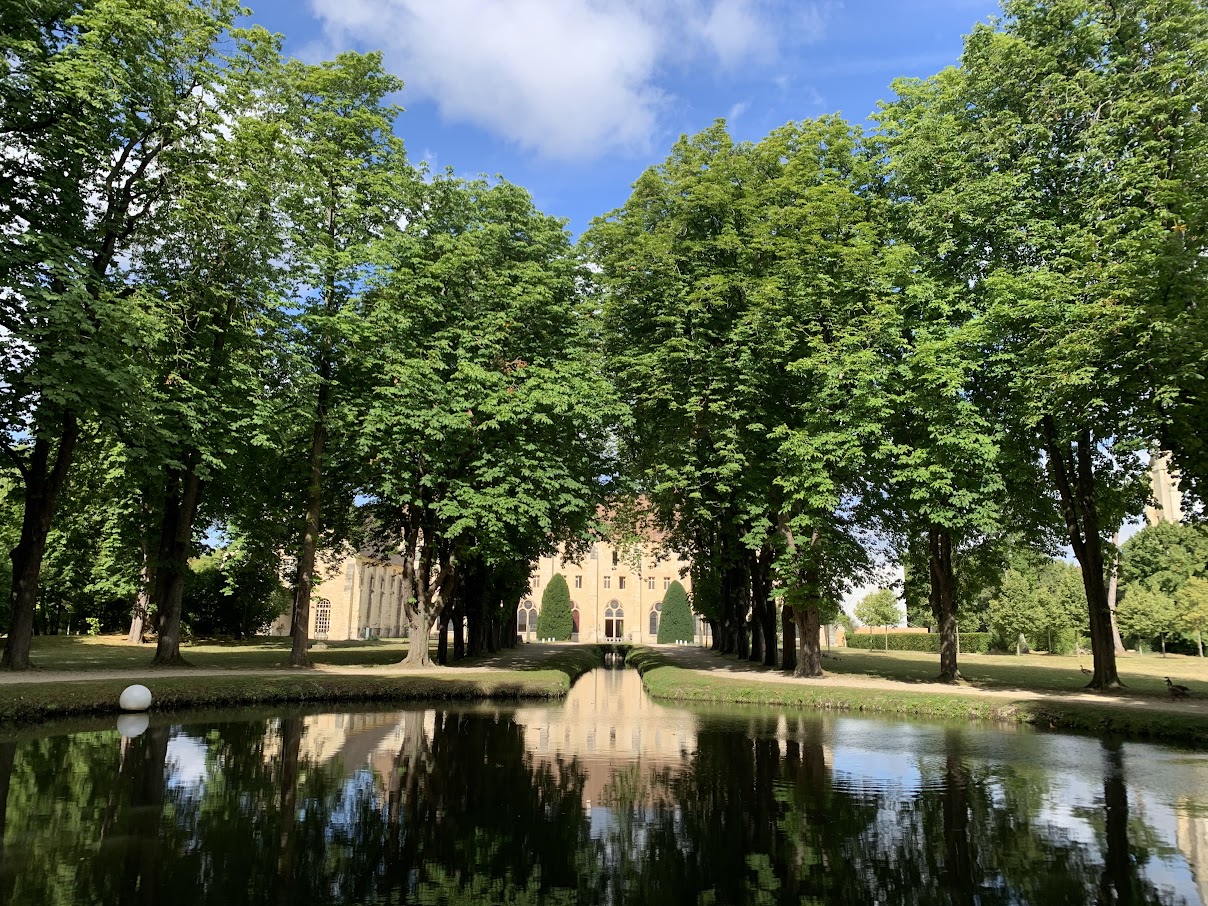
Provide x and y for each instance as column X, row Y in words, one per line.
column 606, row 798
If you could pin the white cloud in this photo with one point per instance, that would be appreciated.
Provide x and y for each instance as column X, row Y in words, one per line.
column 565, row 78
column 736, row 111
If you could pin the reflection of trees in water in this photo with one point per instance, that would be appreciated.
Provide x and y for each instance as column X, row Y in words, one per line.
column 748, row 824
column 461, row 813
column 468, row 811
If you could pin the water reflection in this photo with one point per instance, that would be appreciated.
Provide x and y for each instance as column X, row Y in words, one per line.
column 608, row 798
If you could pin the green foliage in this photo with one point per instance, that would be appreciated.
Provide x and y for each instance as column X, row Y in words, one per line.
column 556, row 618
column 971, row 642
column 675, row 621
column 1193, row 605
column 1147, row 613
column 231, row 593
column 879, row 608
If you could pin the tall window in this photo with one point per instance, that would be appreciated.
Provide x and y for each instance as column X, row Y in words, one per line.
column 578, row 581
column 615, row 559
column 614, row 620
column 621, row 582
column 322, row 618
column 655, row 615
column 666, row 582
column 536, row 581
column 608, row 581
column 574, row 619
column 526, row 617
column 650, row 583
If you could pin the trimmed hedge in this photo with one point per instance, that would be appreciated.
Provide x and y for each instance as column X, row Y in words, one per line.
column 971, row 642
column 556, row 619
column 675, row 621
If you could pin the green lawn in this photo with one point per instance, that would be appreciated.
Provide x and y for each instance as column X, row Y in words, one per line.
column 1142, row 674
column 111, row 652
column 1037, row 673
column 525, row 673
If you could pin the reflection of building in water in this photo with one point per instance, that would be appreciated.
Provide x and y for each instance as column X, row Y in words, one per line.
column 352, row 738
column 608, row 722
column 1191, row 836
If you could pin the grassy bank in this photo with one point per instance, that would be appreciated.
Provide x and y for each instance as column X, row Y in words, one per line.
column 668, row 682
column 549, row 677
column 111, row 652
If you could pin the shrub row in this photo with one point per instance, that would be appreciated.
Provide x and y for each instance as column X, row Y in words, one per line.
column 971, row 642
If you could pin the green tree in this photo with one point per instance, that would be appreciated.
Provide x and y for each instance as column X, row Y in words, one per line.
column 1164, row 556
column 1078, row 159
column 1147, row 612
column 879, row 608
column 1193, row 609
column 233, row 591
column 946, row 478
column 347, row 194
column 216, row 278
column 675, row 619
column 555, row 620
column 1015, row 610
column 89, row 125
column 488, row 418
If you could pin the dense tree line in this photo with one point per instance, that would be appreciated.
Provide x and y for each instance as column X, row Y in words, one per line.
column 234, row 310
column 974, row 319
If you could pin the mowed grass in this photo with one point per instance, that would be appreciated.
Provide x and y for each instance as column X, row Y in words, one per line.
column 523, row 674
column 112, row 652
column 1143, row 675
column 1049, row 676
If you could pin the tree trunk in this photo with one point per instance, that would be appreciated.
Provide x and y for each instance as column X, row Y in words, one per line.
column 714, row 635
column 142, row 601
column 943, row 600
column 788, row 631
column 442, row 637
column 1162, row 640
column 459, row 630
column 809, row 651
column 44, row 480
column 1112, row 585
column 756, row 652
column 1199, row 641
column 762, row 604
column 304, row 578
column 1073, row 472
column 176, row 539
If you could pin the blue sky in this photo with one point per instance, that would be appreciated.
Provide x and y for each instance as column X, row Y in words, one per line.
column 574, row 98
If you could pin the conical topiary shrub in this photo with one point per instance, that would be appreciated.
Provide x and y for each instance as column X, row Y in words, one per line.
column 555, row 620
column 675, row 624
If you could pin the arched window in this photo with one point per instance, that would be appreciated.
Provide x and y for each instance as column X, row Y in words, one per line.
column 526, row 617
column 574, row 618
column 322, row 618
column 614, row 620
column 655, row 616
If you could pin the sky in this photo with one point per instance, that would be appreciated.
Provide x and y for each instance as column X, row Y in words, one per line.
column 573, row 99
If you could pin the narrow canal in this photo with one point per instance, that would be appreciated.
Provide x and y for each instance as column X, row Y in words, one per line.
column 605, row 798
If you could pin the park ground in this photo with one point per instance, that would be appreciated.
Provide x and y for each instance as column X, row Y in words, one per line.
column 85, row 674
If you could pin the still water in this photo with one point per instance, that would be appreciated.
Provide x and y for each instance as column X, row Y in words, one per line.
column 606, row 798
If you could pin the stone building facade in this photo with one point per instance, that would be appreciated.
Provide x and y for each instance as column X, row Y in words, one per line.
column 615, row 597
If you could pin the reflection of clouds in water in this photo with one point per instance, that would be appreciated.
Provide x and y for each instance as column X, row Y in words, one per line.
column 186, row 762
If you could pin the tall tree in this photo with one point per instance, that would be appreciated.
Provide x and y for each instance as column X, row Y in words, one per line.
column 88, row 121
column 215, row 281
column 486, row 434
column 346, row 195
column 1077, row 133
